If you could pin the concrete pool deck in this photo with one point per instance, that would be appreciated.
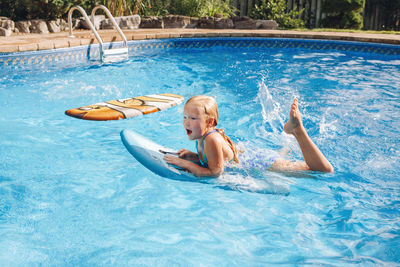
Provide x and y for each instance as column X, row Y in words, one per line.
column 33, row 42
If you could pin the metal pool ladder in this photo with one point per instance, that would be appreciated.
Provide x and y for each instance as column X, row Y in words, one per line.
column 106, row 55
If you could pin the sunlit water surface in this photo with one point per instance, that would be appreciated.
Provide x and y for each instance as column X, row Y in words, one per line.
column 70, row 193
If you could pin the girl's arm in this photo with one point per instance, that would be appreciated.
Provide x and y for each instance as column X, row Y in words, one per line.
column 193, row 168
column 215, row 157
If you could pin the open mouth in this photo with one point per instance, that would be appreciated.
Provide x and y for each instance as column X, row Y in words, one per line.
column 188, row 132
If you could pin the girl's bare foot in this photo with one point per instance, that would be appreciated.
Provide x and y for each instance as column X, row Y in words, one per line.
column 313, row 157
column 294, row 119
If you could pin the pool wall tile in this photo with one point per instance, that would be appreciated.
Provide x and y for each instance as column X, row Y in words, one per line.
column 89, row 54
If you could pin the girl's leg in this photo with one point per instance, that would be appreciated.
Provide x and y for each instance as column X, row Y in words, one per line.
column 314, row 159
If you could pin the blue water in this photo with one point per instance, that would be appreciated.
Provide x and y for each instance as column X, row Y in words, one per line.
column 71, row 195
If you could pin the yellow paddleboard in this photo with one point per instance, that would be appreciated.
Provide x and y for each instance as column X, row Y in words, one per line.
column 125, row 108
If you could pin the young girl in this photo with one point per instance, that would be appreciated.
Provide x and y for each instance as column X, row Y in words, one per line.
column 214, row 148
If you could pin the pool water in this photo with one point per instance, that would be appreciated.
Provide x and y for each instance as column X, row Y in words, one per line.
column 71, row 195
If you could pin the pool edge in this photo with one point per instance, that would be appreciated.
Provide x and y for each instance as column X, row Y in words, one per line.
column 34, row 42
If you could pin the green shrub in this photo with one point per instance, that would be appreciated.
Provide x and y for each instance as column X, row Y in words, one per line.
column 40, row 9
column 276, row 10
column 121, row 7
column 192, row 8
column 185, row 7
column 212, row 7
column 343, row 14
column 52, row 9
column 153, row 7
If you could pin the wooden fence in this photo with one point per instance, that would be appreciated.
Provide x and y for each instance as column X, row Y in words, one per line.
column 375, row 16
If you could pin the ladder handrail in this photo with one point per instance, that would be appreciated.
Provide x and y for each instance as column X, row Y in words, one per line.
column 103, row 53
column 105, row 9
column 83, row 12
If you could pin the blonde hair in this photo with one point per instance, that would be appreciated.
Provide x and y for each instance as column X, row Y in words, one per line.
column 211, row 111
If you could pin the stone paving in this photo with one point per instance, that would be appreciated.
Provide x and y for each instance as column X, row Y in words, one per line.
column 32, row 42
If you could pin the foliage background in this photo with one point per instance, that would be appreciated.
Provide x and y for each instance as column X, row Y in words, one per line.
column 52, row 9
column 342, row 14
column 277, row 10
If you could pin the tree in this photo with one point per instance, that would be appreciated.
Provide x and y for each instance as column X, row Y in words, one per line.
column 343, row 14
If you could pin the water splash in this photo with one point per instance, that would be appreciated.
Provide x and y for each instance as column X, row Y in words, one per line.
column 274, row 116
column 271, row 109
column 271, row 184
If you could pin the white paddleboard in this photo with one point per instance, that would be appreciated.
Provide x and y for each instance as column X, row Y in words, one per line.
column 151, row 155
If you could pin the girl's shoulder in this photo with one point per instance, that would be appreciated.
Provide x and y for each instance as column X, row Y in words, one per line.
column 215, row 138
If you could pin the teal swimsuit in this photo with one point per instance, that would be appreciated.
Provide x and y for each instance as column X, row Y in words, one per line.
column 253, row 158
column 203, row 162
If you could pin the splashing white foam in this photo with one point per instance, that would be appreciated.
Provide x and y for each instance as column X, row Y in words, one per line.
column 273, row 114
column 270, row 184
column 271, row 109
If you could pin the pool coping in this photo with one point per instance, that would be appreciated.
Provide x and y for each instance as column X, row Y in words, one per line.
column 34, row 42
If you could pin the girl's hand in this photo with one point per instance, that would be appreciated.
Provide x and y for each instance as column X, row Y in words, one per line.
column 174, row 160
column 190, row 166
column 188, row 155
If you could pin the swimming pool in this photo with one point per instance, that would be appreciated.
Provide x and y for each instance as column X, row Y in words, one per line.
column 70, row 194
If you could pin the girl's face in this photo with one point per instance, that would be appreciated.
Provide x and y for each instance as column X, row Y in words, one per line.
column 194, row 121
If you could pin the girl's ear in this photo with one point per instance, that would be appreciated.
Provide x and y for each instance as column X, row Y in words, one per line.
column 210, row 122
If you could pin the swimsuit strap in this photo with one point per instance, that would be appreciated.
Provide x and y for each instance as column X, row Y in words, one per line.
column 203, row 162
